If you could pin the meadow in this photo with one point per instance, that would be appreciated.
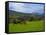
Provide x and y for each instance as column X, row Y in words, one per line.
column 26, row 18
column 29, row 26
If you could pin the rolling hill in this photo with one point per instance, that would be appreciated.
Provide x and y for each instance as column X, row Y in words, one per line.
column 16, row 14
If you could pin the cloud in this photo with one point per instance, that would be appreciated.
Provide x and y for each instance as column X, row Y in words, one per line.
column 26, row 8
column 20, row 7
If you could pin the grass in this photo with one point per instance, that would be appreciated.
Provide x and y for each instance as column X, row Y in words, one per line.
column 30, row 26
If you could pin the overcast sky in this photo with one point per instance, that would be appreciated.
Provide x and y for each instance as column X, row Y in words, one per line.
column 26, row 8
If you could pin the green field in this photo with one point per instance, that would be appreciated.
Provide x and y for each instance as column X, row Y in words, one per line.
column 29, row 26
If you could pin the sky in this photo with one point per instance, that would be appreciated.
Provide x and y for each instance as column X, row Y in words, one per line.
column 26, row 7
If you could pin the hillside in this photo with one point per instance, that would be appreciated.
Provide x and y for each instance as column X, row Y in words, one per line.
column 18, row 13
column 15, row 13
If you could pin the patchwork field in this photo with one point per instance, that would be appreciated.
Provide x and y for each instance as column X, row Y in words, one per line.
column 29, row 26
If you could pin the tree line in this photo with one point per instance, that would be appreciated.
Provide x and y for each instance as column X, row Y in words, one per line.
column 23, row 19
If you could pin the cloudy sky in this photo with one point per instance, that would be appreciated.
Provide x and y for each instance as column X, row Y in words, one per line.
column 26, row 8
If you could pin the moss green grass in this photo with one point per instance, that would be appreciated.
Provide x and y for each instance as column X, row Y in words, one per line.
column 29, row 26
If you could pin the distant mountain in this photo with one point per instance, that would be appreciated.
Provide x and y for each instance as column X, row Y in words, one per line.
column 11, row 13
column 18, row 13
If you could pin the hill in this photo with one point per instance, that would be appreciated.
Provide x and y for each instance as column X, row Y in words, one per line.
column 15, row 13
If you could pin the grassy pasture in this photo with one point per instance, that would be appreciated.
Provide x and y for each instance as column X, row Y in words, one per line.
column 29, row 26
